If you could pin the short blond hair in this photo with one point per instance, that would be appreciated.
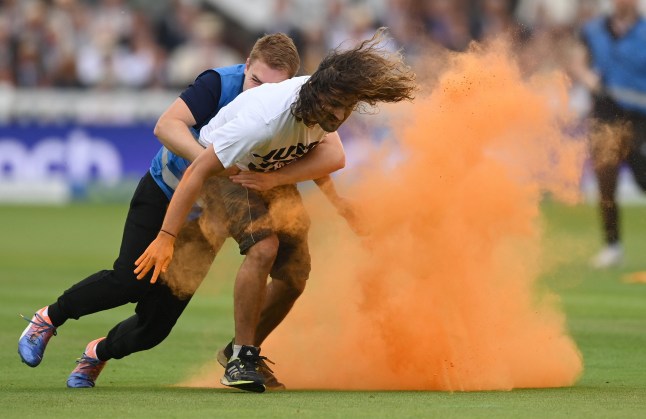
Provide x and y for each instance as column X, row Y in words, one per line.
column 278, row 51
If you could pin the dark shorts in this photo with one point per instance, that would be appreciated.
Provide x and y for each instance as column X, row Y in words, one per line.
column 252, row 216
column 630, row 145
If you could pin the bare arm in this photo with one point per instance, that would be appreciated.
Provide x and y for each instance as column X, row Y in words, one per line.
column 325, row 158
column 579, row 69
column 326, row 185
column 172, row 130
column 344, row 207
column 160, row 252
column 316, row 165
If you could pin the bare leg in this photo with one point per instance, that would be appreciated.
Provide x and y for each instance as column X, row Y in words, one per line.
column 250, row 287
column 281, row 296
column 607, row 181
column 609, row 147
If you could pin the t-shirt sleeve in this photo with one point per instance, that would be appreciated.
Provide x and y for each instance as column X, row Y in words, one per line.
column 237, row 138
column 202, row 96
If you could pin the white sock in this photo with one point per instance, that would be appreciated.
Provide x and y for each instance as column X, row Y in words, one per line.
column 92, row 351
column 91, row 348
column 236, row 351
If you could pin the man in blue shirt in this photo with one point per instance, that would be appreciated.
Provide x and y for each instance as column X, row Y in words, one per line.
column 616, row 77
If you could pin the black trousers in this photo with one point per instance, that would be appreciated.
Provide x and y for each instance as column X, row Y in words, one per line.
column 157, row 308
column 624, row 142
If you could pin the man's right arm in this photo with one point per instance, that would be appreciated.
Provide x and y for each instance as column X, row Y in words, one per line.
column 578, row 63
column 172, row 129
column 160, row 252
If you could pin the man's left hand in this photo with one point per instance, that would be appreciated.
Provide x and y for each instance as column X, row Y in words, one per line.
column 158, row 256
column 257, row 180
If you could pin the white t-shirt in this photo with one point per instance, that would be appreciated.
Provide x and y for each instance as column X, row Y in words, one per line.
column 257, row 131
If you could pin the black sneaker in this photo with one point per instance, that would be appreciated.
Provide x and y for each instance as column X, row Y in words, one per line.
column 271, row 382
column 242, row 372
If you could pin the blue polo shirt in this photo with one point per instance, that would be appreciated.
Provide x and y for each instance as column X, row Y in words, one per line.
column 210, row 92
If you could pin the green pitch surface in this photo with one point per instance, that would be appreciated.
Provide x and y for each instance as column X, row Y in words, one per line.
column 44, row 250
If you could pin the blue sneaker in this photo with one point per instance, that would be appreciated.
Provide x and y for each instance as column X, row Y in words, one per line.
column 87, row 369
column 33, row 341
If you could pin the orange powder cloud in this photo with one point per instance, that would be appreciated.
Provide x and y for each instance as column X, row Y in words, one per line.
column 444, row 293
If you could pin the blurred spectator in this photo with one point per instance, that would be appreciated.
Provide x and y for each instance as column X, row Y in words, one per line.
column 314, row 48
column 113, row 18
column 136, row 60
column 173, row 27
column 283, row 20
column 32, row 45
column 617, row 78
column 63, row 20
column 405, row 24
column 6, row 54
column 203, row 50
column 541, row 14
column 447, row 23
column 94, row 60
column 495, row 18
column 348, row 25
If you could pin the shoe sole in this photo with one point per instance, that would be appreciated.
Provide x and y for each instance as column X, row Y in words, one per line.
column 30, row 364
column 244, row 385
column 82, row 386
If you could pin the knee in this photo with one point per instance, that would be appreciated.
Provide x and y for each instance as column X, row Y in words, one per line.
column 148, row 339
column 160, row 334
column 295, row 286
column 293, row 270
column 128, row 285
column 264, row 252
column 152, row 334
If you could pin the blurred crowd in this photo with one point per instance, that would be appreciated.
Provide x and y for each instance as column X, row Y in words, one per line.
column 110, row 44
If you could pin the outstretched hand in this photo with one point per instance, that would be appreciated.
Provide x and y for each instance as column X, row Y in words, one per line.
column 158, row 254
column 348, row 210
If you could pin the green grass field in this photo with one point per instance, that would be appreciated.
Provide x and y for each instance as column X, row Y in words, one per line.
column 46, row 249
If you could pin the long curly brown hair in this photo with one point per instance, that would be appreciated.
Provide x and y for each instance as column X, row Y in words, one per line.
column 367, row 74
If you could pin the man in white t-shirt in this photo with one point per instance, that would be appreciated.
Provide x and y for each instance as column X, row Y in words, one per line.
column 261, row 130
column 257, row 132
